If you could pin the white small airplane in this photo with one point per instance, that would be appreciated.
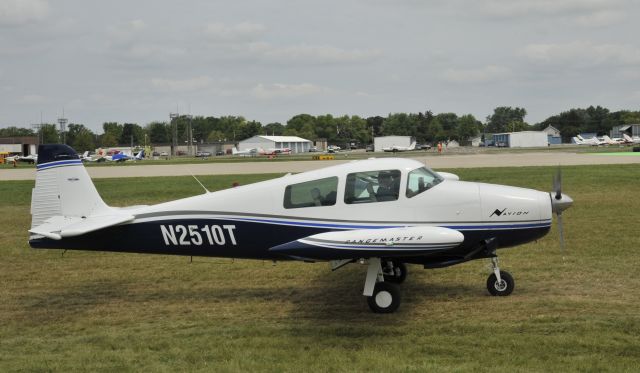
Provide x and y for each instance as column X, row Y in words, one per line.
column 244, row 153
column 275, row 151
column 631, row 140
column 31, row 158
column 121, row 157
column 397, row 148
column 609, row 141
column 383, row 212
column 582, row 141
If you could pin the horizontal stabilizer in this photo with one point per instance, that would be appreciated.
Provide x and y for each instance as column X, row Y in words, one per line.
column 59, row 227
column 366, row 243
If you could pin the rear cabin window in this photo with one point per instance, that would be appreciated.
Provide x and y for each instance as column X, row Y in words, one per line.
column 321, row 192
column 420, row 180
column 372, row 186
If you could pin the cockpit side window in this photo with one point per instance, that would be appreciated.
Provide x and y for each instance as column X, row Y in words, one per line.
column 321, row 192
column 420, row 180
column 372, row 186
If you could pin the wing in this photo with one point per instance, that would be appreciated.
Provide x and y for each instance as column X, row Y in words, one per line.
column 367, row 243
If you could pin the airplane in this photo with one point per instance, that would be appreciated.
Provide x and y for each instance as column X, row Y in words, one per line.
column 244, row 153
column 582, row 141
column 274, row 151
column 631, row 140
column 121, row 157
column 31, row 158
column 397, row 148
column 609, row 141
column 384, row 213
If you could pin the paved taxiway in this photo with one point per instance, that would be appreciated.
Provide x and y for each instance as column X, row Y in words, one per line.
column 433, row 161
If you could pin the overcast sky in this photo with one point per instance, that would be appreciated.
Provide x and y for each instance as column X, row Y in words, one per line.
column 137, row 61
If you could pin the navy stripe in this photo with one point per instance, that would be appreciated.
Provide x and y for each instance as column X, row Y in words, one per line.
column 337, row 226
column 71, row 162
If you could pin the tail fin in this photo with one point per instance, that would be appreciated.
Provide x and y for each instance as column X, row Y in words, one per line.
column 63, row 186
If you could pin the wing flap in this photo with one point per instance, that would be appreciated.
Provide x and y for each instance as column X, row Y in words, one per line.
column 59, row 227
column 365, row 243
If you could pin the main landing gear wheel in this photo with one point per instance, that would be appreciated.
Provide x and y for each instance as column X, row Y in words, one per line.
column 385, row 298
column 395, row 272
column 503, row 287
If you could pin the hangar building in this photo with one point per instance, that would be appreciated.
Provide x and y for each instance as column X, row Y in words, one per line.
column 389, row 141
column 632, row 130
column 25, row 145
column 295, row 143
column 523, row 139
column 553, row 135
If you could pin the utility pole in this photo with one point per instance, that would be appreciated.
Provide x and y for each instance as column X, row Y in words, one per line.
column 190, row 134
column 174, row 127
column 62, row 122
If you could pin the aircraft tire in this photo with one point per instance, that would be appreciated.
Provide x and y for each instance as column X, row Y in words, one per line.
column 395, row 278
column 504, row 289
column 385, row 298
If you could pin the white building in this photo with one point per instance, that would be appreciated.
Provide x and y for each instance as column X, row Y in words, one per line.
column 295, row 143
column 523, row 139
column 389, row 141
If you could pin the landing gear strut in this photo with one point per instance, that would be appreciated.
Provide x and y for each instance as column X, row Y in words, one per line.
column 382, row 297
column 499, row 283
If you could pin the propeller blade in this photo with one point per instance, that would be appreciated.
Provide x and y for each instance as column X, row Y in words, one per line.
column 561, row 231
column 557, row 184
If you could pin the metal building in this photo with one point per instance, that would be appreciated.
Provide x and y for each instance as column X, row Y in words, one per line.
column 523, row 139
column 21, row 145
column 632, row 130
column 295, row 143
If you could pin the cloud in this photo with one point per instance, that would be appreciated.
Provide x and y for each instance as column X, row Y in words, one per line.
column 315, row 54
column 182, row 85
column 32, row 99
column 279, row 90
column 244, row 31
column 582, row 53
column 588, row 13
column 20, row 12
column 476, row 75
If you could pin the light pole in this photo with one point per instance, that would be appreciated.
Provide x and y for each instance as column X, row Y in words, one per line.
column 174, row 128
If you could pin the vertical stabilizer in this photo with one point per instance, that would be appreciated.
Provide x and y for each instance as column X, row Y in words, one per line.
column 63, row 186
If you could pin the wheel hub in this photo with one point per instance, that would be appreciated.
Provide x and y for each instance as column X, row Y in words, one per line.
column 500, row 285
column 384, row 299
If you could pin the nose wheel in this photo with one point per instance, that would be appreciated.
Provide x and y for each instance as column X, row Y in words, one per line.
column 500, row 283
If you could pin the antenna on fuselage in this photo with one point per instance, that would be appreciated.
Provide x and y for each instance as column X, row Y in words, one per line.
column 203, row 187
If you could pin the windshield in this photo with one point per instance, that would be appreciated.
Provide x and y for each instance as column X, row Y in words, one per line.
column 420, row 180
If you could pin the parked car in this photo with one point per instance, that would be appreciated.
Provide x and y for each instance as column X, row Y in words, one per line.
column 423, row 146
column 313, row 149
column 164, row 154
column 203, row 154
column 369, row 148
column 220, row 152
column 155, row 154
column 181, row 152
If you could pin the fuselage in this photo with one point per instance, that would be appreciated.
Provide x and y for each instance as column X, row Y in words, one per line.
column 246, row 221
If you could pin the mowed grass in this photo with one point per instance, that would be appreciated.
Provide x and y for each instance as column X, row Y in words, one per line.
column 89, row 311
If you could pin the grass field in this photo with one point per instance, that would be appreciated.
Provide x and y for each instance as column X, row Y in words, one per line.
column 91, row 311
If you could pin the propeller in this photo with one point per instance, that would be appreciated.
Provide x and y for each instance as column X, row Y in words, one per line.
column 559, row 203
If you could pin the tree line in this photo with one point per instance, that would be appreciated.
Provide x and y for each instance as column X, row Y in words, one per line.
column 425, row 126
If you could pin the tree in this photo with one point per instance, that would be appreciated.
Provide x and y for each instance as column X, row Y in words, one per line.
column 505, row 119
column 49, row 134
column 159, row 132
column 83, row 141
column 215, row 136
column 273, row 129
column 131, row 132
column 114, row 130
column 16, row 132
column 467, row 128
column 375, row 123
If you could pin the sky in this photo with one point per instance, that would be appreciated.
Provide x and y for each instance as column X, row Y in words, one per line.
column 138, row 61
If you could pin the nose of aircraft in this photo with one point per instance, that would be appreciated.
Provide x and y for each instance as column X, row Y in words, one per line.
column 560, row 202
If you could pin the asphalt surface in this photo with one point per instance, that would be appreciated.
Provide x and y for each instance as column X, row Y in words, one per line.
column 433, row 161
